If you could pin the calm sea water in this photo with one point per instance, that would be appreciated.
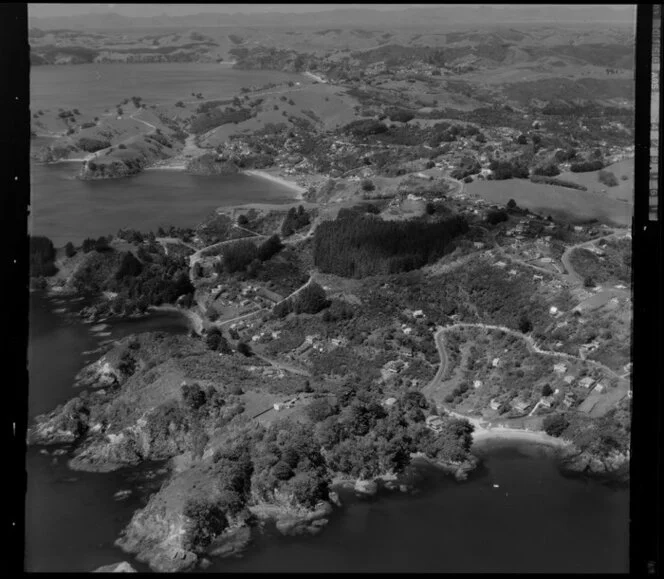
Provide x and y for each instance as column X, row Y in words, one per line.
column 93, row 88
column 535, row 521
column 68, row 209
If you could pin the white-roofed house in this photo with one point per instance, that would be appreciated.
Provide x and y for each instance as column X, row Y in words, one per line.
column 559, row 368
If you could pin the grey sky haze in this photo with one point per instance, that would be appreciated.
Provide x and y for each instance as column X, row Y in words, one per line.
column 147, row 10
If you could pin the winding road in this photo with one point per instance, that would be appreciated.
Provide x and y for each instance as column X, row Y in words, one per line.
column 566, row 257
column 530, row 344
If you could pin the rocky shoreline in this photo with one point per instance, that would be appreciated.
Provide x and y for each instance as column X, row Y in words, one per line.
column 157, row 534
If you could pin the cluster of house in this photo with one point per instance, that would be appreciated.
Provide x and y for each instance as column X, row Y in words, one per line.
column 266, row 336
column 249, row 296
column 314, row 343
column 569, row 399
column 587, row 383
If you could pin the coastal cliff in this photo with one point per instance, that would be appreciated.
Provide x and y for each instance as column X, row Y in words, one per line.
column 169, row 535
column 613, row 466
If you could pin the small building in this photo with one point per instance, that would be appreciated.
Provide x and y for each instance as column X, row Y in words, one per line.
column 477, row 384
column 500, row 264
column 600, row 388
column 418, row 314
column 629, row 394
column 495, row 362
column 393, row 366
column 586, row 382
column 494, row 404
column 278, row 406
column 553, row 310
column 390, row 402
column 434, row 423
column 569, row 380
column 559, row 368
column 546, row 402
column 478, row 245
column 538, row 276
column 521, row 405
column 408, row 331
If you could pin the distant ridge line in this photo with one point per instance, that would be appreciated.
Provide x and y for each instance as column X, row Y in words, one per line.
column 447, row 16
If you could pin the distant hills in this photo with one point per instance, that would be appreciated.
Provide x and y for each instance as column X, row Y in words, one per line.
column 446, row 17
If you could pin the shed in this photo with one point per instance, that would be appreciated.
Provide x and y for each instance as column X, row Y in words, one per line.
column 559, row 367
column 521, row 405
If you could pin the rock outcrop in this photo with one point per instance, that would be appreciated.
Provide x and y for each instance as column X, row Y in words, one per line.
column 614, row 466
column 122, row 567
column 366, row 487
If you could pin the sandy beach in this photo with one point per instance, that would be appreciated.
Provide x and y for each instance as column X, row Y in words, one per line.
column 502, row 433
column 275, row 179
column 484, row 431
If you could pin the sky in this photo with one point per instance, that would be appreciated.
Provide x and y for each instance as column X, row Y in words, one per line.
column 137, row 10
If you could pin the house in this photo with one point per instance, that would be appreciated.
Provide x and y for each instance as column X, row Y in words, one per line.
column 434, row 423
column 494, row 404
column 521, row 405
column 418, row 314
column 478, row 245
column 495, row 362
column 538, row 277
column 629, row 394
column 559, row 367
column 553, row 310
column 278, row 406
column 393, row 366
column 408, row 331
column 389, row 402
column 569, row 399
column 500, row 264
column 586, row 382
column 477, row 384
column 569, row 380
column 546, row 402
column 600, row 388
column 578, row 228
